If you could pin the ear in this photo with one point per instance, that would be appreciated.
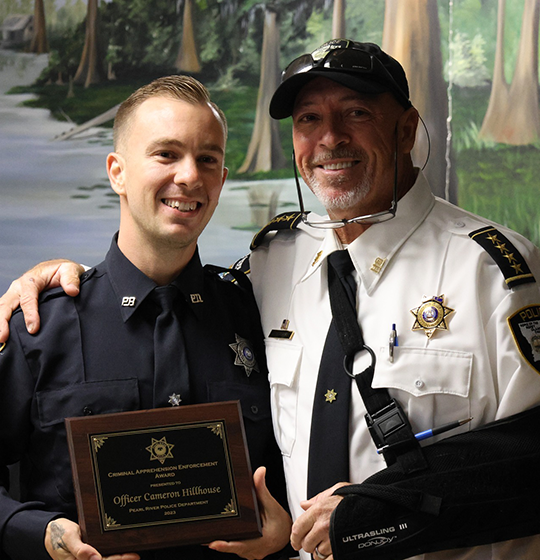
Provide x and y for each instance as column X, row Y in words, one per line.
column 115, row 170
column 224, row 177
column 407, row 125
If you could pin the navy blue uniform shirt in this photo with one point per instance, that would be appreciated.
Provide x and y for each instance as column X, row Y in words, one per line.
column 94, row 355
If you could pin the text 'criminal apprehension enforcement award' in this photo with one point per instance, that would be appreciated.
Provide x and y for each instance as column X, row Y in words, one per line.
column 165, row 477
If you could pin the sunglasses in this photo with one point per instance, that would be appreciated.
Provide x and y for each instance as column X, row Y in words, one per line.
column 346, row 56
column 342, row 55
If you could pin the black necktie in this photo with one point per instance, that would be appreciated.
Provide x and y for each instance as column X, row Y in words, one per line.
column 329, row 440
column 171, row 375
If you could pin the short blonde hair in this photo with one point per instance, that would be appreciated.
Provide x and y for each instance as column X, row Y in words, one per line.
column 183, row 88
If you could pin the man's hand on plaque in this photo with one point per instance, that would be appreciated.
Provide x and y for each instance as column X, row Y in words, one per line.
column 276, row 526
column 25, row 290
column 63, row 542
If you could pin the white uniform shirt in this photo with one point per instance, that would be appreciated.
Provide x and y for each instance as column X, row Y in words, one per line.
column 473, row 369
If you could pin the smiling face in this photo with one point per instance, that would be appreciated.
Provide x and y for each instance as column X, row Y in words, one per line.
column 168, row 172
column 345, row 146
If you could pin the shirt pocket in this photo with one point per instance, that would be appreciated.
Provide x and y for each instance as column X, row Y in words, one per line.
column 432, row 385
column 80, row 399
column 283, row 364
column 254, row 400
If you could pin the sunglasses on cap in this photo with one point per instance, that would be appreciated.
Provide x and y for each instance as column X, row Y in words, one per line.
column 347, row 56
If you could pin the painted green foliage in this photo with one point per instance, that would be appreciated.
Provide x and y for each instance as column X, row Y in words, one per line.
column 141, row 39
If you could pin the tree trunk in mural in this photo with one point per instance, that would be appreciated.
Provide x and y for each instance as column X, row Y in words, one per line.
column 264, row 151
column 187, row 60
column 512, row 116
column 338, row 20
column 523, row 102
column 89, row 70
column 494, row 124
column 39, row 40
column 412, row 35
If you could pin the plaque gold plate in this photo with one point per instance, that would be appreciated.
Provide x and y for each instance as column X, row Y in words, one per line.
column 165, row 477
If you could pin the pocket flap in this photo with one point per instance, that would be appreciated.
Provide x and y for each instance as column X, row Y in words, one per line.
column 254, row 401
column 81, row 399
column 283, row 361
column 425, row 371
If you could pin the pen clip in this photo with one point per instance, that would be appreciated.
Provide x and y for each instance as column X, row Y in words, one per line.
column 392, row 343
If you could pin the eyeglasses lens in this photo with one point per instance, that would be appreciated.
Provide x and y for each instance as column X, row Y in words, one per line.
column 349, row 59
column 339, row 58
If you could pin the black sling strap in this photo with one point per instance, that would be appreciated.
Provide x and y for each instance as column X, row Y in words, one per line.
column 388, row 425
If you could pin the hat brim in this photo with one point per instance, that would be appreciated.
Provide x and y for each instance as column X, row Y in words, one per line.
column 282, row 102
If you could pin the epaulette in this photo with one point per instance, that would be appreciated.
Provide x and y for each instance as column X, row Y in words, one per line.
column 287, row 220
column 242, row 265
column 502, row 251
column 233, row 275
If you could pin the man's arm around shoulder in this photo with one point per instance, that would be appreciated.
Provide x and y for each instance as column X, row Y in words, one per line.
column 25, row 290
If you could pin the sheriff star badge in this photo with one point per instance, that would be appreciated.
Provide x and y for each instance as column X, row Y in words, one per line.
column 431, row 315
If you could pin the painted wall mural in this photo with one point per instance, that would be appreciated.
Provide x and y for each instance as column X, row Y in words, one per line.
column 66, row 64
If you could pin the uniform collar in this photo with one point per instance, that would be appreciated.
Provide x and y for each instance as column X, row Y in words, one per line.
column 131, row 286
column 190, row 282
column 372, row 251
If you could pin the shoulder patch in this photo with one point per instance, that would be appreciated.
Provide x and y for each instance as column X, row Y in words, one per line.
column 508, row 258
column 287, row 220
column 525, row 327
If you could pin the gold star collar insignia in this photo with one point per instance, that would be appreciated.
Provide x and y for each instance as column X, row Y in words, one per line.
column 431, row 315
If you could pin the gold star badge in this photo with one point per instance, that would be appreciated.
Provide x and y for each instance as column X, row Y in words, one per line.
column 160, row 450
column 431, row 315
column 330, row 396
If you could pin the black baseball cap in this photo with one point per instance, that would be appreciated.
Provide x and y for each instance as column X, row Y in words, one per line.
column 363, row 67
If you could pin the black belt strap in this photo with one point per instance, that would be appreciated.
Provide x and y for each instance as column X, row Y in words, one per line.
column 388, row 425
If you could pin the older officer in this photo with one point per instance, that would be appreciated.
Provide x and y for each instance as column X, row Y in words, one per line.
column 95, row 354
column 448, row 303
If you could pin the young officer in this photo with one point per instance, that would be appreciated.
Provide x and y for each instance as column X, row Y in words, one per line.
column 102, row 351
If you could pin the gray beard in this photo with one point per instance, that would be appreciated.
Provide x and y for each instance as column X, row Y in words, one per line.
column 346, row 198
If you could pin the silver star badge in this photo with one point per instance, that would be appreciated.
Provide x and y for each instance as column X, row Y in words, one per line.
column 244, row 355
column 174, row 400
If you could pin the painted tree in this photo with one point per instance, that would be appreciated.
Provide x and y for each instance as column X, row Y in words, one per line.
column 412, row 35
column 512, row 116
column 493, row 124
column 39, row 40
column 90, row 70
column 264, row 152
column 338, row 20
column 187, row 60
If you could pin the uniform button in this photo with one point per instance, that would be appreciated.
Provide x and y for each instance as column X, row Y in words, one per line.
column 459, row 224
column 87, row 411
column 255, row 409
column 84, row 275
column 419, row 383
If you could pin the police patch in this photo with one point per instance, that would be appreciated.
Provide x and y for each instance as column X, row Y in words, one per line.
column 525, row 327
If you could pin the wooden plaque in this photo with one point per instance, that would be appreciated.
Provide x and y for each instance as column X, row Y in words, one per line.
column 165, row 477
